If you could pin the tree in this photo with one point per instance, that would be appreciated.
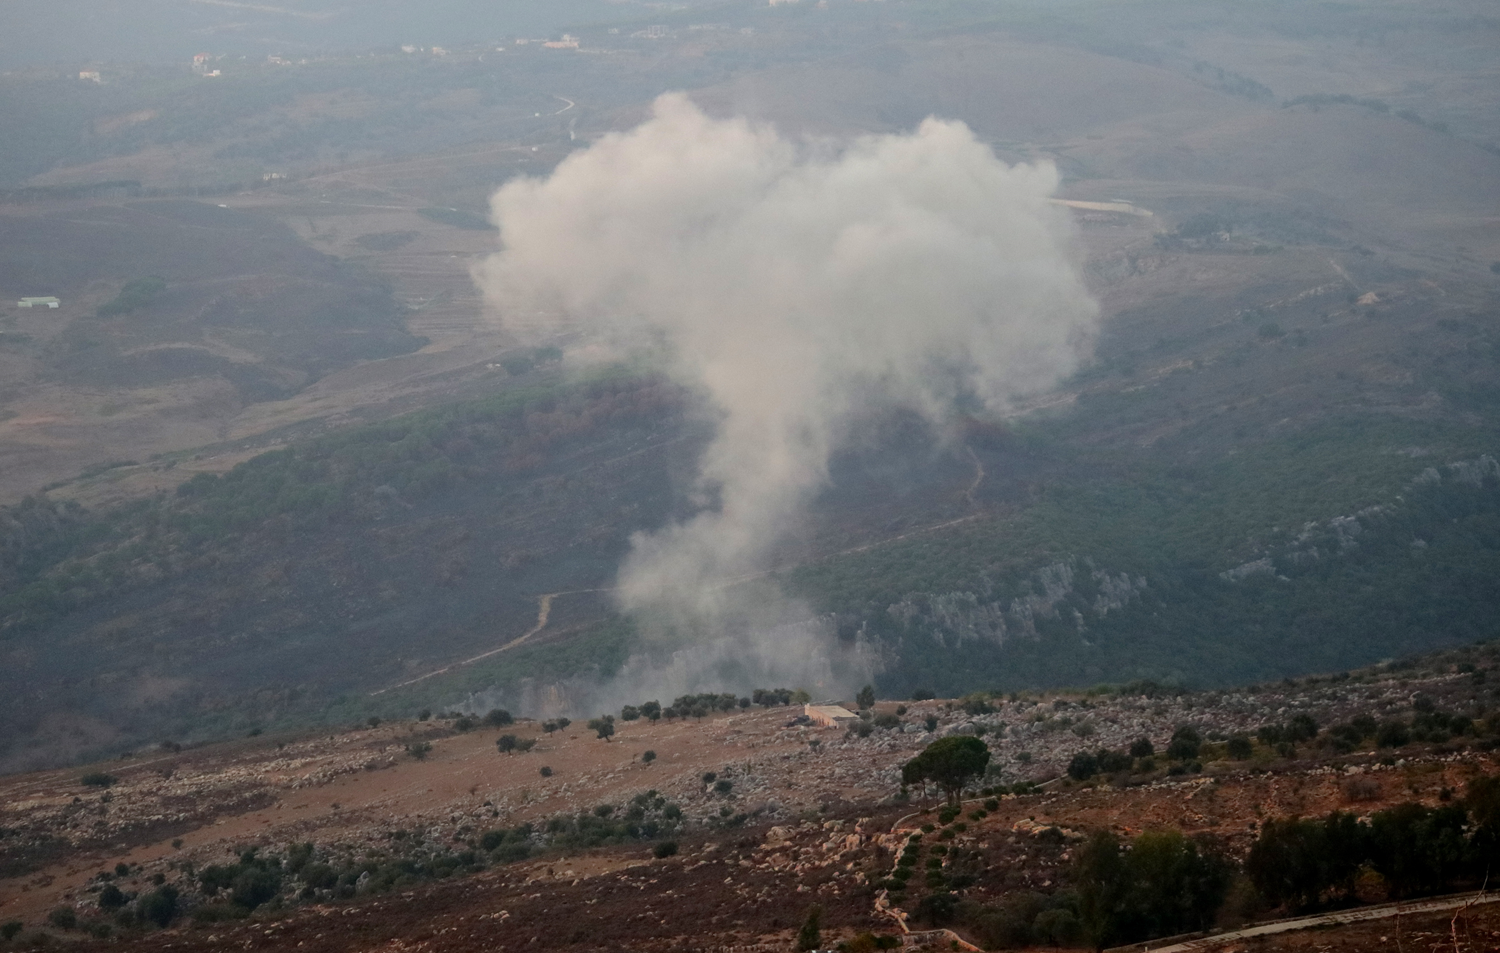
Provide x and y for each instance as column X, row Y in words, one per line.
column 1099, row 877
column 648, row 756
column 111, row 898
column 603, row 727
column 1240, row 748
column 498, row 718
column 811, row 934
column 1142, row 748
column 1165, row 884
column 1392, row 734
column 1083, row 766
column 950, row 763
column 1416, row 848
column 160, row 905
column 1301, row 728
column 1175, row 886
column 629, row 713
column 1284, row 862
column 1185, row 744
column 865, row 698
column 1482, row 799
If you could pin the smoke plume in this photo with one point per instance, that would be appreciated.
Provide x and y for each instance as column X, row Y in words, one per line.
column 792, row 285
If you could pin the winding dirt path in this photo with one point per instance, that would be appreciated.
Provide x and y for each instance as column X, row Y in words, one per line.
column 544, row 601
column 544, row 610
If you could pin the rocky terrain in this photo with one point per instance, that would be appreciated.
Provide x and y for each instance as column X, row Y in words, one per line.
column 419, row 834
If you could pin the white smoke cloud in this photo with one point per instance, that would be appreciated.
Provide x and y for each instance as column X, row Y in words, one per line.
column 793, row 285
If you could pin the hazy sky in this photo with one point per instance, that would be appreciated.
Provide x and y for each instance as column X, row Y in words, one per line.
column 35, row 32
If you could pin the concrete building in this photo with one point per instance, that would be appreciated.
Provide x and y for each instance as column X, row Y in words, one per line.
column 39, row 302
column 829, row 716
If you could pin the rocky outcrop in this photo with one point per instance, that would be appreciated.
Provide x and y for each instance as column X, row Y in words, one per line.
column 1062, row 588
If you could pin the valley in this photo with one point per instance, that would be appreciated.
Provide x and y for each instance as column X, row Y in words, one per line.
column 276, row 479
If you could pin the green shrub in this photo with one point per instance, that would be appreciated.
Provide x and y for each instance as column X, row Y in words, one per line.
column 159, row 907
column 1392, row 734
column 111, row 898
column 319, row 876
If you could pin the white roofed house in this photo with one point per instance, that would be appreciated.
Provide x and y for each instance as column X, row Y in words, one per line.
column 46, row 302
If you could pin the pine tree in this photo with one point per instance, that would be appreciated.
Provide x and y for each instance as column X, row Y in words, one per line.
column 810, row 936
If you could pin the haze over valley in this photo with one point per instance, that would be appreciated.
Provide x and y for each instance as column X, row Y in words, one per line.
column 364, row 360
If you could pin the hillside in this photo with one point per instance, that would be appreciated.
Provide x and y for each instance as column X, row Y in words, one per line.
column 175, row 316
column 326, row 538
column 306, row 478
column 1225, row 504
column 419, row 831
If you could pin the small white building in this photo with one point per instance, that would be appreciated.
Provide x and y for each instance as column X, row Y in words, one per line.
column 47, row 302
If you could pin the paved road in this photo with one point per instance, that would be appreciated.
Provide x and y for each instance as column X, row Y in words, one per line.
column 1323, row 919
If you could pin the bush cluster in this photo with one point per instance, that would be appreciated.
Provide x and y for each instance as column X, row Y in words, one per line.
column 1305, row 863
column 1161, row 884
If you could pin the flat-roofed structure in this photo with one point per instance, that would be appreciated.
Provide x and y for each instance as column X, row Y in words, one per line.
column 38, row 302
column 829, row 716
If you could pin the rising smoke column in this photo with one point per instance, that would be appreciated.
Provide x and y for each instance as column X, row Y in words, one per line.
column 792, row 285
